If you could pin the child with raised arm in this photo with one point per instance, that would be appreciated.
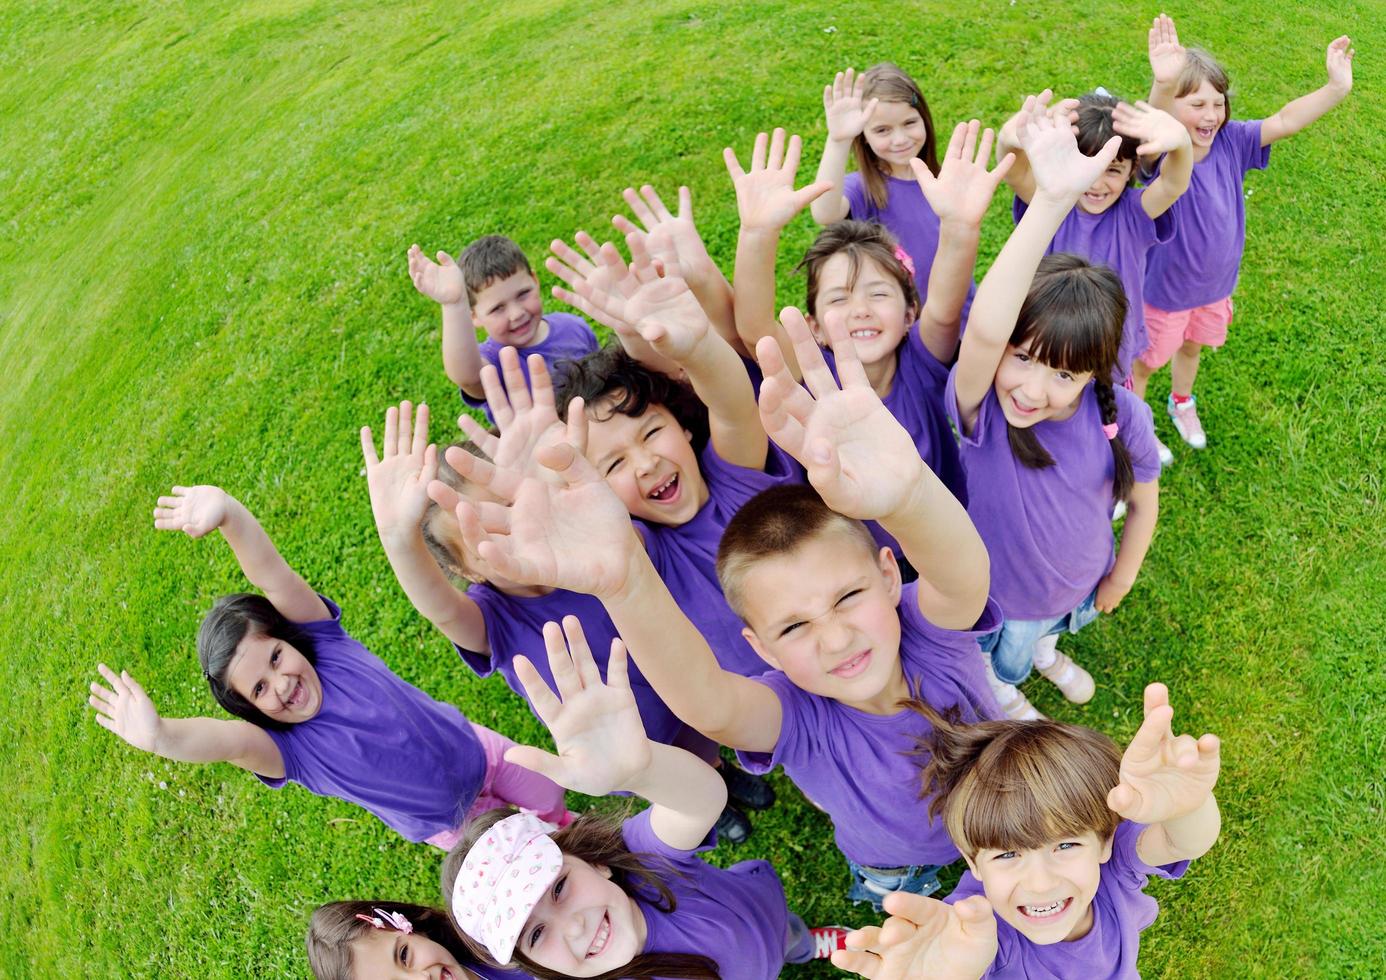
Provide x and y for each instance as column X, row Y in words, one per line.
column 1189, row 281
column 1114, row 224
column 1048, row 442
column 881, row 118
column 1061, row 832
column 848, row 642
column 315, row 706
column 611, row 899
column 493, row 287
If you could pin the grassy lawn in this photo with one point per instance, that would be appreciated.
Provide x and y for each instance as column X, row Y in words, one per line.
column 202, row 279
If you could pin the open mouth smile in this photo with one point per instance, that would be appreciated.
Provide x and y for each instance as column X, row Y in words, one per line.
column 667, row 491
column 1040, row 913
column 599, row 940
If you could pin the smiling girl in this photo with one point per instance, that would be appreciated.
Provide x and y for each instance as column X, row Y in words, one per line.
column 315, row 706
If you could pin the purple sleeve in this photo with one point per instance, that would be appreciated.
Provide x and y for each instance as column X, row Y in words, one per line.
column 1137, row 427
column 1018, row 208
column 1126, row 863
column 1166, row 225
column 640, row 838
column 950, row 405
column 793, row 700
column 859, row 205
column 481, row 662
column 1249, row 152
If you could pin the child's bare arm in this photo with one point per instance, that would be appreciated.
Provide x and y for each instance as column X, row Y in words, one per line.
column 1308, row 108
column 864, row 465
column 1167, row 782
column 959, row 195
column 125, row 709
column 846, row 116
column 197, row 511
column 1166, row 62
column 1142, row 512
column 1159, row 133
column 442, row 282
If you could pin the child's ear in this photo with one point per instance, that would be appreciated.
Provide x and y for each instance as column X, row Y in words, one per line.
column 890, row 569
column 602, row 870
column 760, row 650
column 1106, row 850
column 818, row 336
column 972, row 865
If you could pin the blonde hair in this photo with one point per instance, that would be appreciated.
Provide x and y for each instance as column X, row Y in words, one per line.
column 1200, row 67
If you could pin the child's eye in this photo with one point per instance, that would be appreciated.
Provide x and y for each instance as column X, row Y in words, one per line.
column 1022, row 357
column 1064, row 846
column 404, row 956
column 880, row 295
column 535, row 934
column 1004, row 856
column 615, row 463
column 653, row 432
column 558, row 886
column 849, row 595
column 274, row 658
column 1065, row 376
column 790, row 629
column 258, row 689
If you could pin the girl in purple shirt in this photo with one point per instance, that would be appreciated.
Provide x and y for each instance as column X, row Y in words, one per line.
column 607, row 899
column 1047, row 441
column 315, row 706
column 1189, row 282
column 1061, row 831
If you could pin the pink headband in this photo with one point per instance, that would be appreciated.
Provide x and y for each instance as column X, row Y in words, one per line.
column 904, row 259
column 503, row 877
column 395, row 920
column 1110, row 431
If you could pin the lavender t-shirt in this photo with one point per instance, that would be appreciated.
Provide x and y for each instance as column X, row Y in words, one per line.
column 515, row 625
column 1120, row 238
column 495, row 973
column 1049, row 531
column 858, row 767
column 1120, row 910
column 686, row 556
column 735, row 915
column 569, row 338
column 380, row 742
column 1200, row 264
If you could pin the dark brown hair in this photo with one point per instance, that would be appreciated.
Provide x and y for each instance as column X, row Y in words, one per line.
column 859, row 240
column 1200, row 67
column 597, row 839
column 489, row 258
column 611, row 381
column 1072, row 318
column 334, row 927
column 1095, row 129
column 1016, row 785
column 889, row 84
column 231, row 619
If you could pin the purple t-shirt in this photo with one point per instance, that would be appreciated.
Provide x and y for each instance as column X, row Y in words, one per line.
column 515, row 625
column 1120, row 910
column 569, row 338
column 1120, row 238
column 735, row 915
column 1200, row 264
column 380, row 742
column 916, row 401
column 858, row 767
column 686, row 556
column 1049, row 531
column 495, row 973
column 909, row 218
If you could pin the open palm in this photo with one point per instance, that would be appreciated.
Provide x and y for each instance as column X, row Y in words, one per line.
column 125, row 709
column 440, row 281
column 924, row 938
column 193, row 510
column 1164, row 776
column 1061, row 170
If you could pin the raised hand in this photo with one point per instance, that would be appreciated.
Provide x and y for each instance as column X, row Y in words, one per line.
column 440, row 281
column 964, row 187
column 600, row 268
column 1060, row 169
column 924, row 938
column 663, row 231
column 859, row 458
column 193, row 510
column 596, row 726
column 1340, row 55
column 765, row 196
column 1158, row 131
column 398, row 482
column 1164, row 776
column 843, row 108
column 125, row 709
column 1166, row 53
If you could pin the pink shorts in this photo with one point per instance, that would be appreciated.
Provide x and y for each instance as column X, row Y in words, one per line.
column 1206, row 325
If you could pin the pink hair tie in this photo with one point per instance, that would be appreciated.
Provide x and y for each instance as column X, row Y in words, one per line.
column 1110, row 430
column 904, row 259
column 396, row 920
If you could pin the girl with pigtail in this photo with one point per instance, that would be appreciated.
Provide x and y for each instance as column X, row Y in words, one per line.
column 1047, row 442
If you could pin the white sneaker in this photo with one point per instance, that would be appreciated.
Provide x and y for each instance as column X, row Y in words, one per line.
column 1014, row 705
column 1075, row 682
column 1166, row 457
column 1186, row 422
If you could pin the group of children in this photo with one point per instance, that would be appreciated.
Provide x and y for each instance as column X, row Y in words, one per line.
column 833, row 541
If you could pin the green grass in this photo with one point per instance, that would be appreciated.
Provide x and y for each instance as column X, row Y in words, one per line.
column 202, row 279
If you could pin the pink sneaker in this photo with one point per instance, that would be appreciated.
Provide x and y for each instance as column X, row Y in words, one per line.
column 1186, row 423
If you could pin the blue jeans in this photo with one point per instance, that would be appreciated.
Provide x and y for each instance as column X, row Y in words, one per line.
column 1012, row 647
column 874, row 884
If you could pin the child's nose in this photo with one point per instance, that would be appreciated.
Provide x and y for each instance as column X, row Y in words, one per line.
column 1038, row 877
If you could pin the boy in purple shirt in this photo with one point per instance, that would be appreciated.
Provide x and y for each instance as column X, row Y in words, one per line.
column 1061, row 832
column 1189, row 282
column 820, row 602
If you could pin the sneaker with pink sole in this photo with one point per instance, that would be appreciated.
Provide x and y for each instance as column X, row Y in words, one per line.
column 1073, row 681
column 1186, row 423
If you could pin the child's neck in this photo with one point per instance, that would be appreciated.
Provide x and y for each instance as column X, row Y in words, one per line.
column 887, row 700
column 881, row 374
column 520, row 591
column 899, row 172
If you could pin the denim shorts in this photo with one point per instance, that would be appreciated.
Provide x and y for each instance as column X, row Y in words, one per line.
column 874, row 884
column 1012, row 647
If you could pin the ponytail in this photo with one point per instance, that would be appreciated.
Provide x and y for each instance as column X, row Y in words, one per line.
column 1122, row 476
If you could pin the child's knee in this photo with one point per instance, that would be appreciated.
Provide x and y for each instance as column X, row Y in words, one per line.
column 1190, row 348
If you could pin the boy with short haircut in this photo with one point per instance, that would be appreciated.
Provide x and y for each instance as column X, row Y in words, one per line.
column 493, row 287
column 849, row 653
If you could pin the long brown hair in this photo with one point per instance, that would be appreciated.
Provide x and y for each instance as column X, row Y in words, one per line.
column 334, row 927
column 597, row 839
column 1072, row 317
column 889, row 84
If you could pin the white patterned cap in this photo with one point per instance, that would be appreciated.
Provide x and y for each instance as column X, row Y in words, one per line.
column 502, row 879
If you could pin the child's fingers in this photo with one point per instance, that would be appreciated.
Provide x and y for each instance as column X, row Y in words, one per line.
column 564, row 459
column 969, row 146
column 758, row 151
column 812, row 366
column 541, row 696
column 655, row 203
column 540, row 384
column 859, row 961
column 685, row 203
column 471, row 467
column 578, row 265
column 865, row 938
column 618, row 665
column 1154, row 695
column 405, row 437
column 476, row 432
column 624, row 225
column 733, row 165
column 367, row 452
column 807, row 195
column 583, row 660
column 516, row 387
column 537, row 760
column 420, row 442
column 442, row 494
column 588, row 244
column 1003, row 167
column 1123, row 799
column 793, row 149
column 638, row 207
column 494, row 518
column 391, row 431
column 1154, row 730
column 975, row 910
column 850, row 371
column 786, row 430
column 984, row 144
column 955, row 142
column 776, row 159
column 870, row 108
column 112, row 678
column 575, row 433
column 561, row 664
column 1183, row 751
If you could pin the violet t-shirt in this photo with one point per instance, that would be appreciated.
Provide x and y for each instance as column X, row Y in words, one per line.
column 1120, row 238
column 1049, row 531
column 495, row 973
column 569, row 338
column 1120, row 910
column 858, row 766
column 515, row 625
column 735, row 915
column 380, row 742
column 1200, row 264
column 909, row 218
column 686, row 556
